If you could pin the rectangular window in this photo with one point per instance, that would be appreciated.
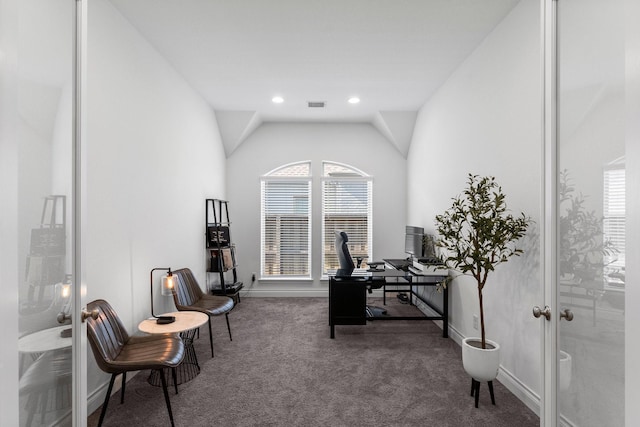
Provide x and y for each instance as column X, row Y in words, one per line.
column 346, row 206
column 285, row 228
column 614, row 224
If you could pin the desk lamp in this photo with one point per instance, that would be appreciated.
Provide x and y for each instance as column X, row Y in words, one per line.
column 63, row 293
column 167, row 288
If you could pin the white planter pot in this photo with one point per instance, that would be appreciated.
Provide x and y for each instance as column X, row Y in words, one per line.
column 564, row 370
column 480, row 364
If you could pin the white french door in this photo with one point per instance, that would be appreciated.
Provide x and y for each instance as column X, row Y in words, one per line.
column 41, row 56
column 586, row 212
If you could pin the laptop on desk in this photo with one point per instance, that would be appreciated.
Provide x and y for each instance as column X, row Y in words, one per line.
column 399, row 264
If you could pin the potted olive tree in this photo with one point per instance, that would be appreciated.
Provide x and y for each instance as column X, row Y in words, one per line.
column 478, row 233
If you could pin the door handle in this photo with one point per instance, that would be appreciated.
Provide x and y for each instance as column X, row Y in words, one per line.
column 566, row 314
column 63, row 317
column 84, row 315
column 546, row 312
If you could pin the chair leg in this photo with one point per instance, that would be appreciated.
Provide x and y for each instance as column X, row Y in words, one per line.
column 210, row 336
column 175, row 378
column 106, row 400
column 228, row 326
column 124, row 381
column 166, row 395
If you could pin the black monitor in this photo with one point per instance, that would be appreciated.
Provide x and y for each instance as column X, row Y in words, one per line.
column 413, row 241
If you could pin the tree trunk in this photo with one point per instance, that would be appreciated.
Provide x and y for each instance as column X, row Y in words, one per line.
column 484, row 344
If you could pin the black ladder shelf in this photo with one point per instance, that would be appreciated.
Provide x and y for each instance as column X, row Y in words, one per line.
column 46, row 260
column 221, row 250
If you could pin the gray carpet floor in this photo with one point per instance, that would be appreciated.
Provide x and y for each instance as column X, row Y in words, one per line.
column 282, row 369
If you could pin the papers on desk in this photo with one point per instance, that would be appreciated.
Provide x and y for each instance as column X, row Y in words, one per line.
column 351, row 273
column 429, row 270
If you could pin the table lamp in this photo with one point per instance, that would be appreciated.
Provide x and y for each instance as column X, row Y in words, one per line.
column 167, row 287
column 63, row 294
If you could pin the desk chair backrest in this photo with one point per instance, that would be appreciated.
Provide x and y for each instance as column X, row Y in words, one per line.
column 344, row 257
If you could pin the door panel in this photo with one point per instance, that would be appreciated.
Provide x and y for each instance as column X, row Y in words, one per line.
column 591, row 212
column 45, row 133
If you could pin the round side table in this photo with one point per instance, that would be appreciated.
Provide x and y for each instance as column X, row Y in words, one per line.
column 186, row 324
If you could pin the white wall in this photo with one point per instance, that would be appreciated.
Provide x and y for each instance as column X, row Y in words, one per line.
column 276, row 144
column 154, row 154
column 486, row 120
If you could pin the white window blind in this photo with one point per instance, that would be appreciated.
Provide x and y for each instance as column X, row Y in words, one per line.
column 346, row 206
column 286, row 223
column 614, row 223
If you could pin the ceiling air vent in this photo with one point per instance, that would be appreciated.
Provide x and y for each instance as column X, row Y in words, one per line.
column 315, row 104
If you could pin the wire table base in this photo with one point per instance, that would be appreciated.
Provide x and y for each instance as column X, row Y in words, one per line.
column 185, row 371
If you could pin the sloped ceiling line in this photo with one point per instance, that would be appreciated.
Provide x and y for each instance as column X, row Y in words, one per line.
column 396, row 126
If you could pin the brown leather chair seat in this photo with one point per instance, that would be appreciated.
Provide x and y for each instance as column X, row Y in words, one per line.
column 213, row 305
column 116, row 352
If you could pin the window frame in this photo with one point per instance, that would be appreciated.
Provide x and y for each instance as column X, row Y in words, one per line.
column 351, row 174
column 614, row 217
column 272, row 177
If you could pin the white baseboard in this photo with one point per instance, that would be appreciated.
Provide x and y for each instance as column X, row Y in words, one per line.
column 296, row 293
column 285, row 293
column 565, row 422
column 519, row 389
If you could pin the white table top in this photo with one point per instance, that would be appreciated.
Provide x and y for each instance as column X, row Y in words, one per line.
column 185, row 320
column 44, row 340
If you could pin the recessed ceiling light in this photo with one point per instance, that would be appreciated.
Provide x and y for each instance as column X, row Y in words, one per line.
column 277, row 100
column 354, row 100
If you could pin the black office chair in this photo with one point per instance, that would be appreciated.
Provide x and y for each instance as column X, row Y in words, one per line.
column 344, row 256
column 347, row 264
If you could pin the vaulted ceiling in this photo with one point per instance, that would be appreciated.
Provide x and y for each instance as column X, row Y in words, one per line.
column 239, row 54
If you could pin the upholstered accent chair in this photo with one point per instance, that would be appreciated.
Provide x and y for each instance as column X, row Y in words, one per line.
column 116, row 352
column 188, row 296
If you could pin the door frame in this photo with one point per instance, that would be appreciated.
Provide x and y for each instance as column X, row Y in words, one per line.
column 549, row 232
column 79, row 363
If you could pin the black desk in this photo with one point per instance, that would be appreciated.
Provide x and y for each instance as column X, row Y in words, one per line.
column 347, row 297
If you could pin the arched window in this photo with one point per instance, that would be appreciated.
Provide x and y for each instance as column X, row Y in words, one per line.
column 286, row 222
column 346, row 206
column 286, row 218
